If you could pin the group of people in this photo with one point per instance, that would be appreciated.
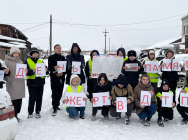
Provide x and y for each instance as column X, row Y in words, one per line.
column 126, row 85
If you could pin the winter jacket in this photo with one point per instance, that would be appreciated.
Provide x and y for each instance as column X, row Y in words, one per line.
column 90, row 82
column 52, row 62
column 170, row 75
column 137, row 95
column 132, row 77
column 75, row 57
column 15, row 86
column 2, row 67
column 124, row 53
column 38, row 81
column 126, row 91
column 74, row 88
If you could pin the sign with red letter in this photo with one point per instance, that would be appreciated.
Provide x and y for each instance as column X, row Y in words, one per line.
column 40, row 70
column 184, row 99
column 186, row 63
column 145, row 98
column 176, row 65
column 105, row 99
column 62, row 66
column 1, row 75
column 166, row 66
column 121, row 104
column 76, row 67
column 167, row 99
column 152, row 67
column 75, row 99
column 20, row 70
column 98, row 100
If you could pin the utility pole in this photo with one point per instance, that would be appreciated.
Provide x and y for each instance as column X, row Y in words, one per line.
column 105, row 40
column 109, row 44
column 50, row 34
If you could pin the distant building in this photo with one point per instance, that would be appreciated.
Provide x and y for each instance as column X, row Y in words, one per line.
column 184, row 27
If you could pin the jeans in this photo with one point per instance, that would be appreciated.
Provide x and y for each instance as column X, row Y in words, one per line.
column 73, row 111
column 148, row 111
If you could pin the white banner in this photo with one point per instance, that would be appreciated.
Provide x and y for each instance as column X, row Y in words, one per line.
column 75, row 99
column 121, row 104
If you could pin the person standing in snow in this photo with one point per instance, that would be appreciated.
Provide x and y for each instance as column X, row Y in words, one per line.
column 57, row 79
column 165, row 112
column 15, row 86
column 122, row 53
column 132, row 76
column 35, row 84
column 88, row 71
column 153, row 76
column 4, row 68
column 75, row 87
column 145, row 113
column 75, row 56
column 122, row 89
column 101, row 86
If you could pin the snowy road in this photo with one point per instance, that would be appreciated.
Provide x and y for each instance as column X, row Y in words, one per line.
column 62, row 127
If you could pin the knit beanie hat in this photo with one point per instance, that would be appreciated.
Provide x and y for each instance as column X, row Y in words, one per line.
column 14, row 49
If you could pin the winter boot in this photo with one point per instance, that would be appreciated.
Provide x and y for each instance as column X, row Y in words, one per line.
column 37, row 115
column 82, row 117
column 127, row 120
column 106, row 117
column 30, row 116
column 93, row 118
column 118, row 116
column 184, row 121
column 160, row 123
column 54, row 112
column 147, row 122
column 166, row 120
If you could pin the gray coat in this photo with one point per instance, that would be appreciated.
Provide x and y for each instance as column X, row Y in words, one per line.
column 15, row 87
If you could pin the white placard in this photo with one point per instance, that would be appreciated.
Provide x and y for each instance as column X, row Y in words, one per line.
column 105, row 99
column 186, row 63
column 1, row 75
column 20, row 71
column 40, row 69
column 75, row 99
column 62, row 66
column 184, row 99
column 121, row 104
column 152, row 67
column 167, row 99
column 176, row 65
column 76, row 67
column 166, row 66
column 98, row 100
column 145, row 98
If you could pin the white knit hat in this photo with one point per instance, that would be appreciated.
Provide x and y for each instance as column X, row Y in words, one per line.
column 151, row 52
column 14, row 49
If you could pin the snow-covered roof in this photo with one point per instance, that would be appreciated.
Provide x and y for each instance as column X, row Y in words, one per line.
column 11, row 45
column 164, row 43
column 11, row 39
column 184, row 16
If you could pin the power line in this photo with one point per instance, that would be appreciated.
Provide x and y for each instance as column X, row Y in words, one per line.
column 36, row 29
column 23, row 23
column 40, row 38
column 35, row 26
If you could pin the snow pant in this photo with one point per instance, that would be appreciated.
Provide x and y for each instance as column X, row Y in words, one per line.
column 17, row 106
column 104, row 112
column 154, row 85
column 113, row 112
column 148, row 111
column 90, row 84
column 165, row 112
column 73, row 111
column 35, row 96
column 57, row 90
column 183, row 111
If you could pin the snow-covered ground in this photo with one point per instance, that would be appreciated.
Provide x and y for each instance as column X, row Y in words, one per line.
column 62, row 127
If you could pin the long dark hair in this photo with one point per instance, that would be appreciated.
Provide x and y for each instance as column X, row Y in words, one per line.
column 104, row 76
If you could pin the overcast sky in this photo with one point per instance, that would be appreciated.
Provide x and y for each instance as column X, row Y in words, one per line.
column 77, row 14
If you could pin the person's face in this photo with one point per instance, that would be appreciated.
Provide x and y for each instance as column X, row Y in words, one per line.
column 102, row 81
column 94, row 54
column 120, row 53
column 145, row 80
column 16, row 54
column 57, row 49
column 151, row 56
column 75, row 81
column 120, row 85
column 165, row 87
column 75, row 49
column 131, row 58
column 169, row 55
column 35, row 55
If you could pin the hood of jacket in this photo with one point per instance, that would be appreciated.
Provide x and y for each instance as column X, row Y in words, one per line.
column 72, row 77
column 142, row 86
column 75, row 45
column 93, row 52
column 173, row 57
column 33, row 50
column 14, row 59
column 121, row 80
column 151, row 51
column 123, row 50
column 105, row 77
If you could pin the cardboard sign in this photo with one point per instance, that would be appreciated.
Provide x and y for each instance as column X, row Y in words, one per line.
column 1, row 75
column 131, row 67
column 75, row 99
column 166, row 66
column 121, row 104
column 152, row 67
column 176, row 65
column 186, row 63
column 62, row 66
column 76, row 67
column 145, row 98
column 98, row 100
column 20, row 71
column 105, row 99
column 167, row 99
column 184, row 99
column 40, row 69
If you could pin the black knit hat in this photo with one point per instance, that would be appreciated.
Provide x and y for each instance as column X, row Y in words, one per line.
column 165, row 82
column 33, row 50
column 131, row 53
